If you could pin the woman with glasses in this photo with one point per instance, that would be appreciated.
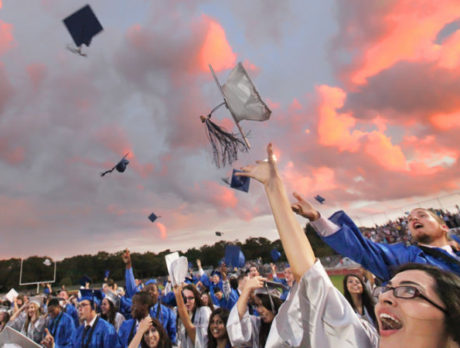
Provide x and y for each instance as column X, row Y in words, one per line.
column 194, row 317
column 420, row 307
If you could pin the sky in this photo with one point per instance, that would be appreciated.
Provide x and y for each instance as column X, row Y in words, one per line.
column 365, row 100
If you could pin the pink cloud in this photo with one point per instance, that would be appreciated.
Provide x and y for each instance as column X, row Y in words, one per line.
column 6, row 37
column 37, row 73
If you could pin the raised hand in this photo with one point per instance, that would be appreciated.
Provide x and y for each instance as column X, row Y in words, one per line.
column 126, row 257
column 262, row 171
column 145, row 324
column 304, row 208
column 255, row 283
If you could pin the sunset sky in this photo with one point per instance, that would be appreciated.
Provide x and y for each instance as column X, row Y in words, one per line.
column 365, row 100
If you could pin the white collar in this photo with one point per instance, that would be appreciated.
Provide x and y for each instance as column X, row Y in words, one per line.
column 447, row 248
column 91, row 323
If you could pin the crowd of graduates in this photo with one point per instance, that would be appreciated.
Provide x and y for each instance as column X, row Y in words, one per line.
column 397, row 231
column 409, row 295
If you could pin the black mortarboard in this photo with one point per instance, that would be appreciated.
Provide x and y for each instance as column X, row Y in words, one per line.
column 85, row 279
column 239, row 182
column 120, row 166
column 320, row 199
column 83, row 26
column 153, row 217
column 219, row 234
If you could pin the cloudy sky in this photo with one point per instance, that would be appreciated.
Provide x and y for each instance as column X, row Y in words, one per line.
column 365, row 100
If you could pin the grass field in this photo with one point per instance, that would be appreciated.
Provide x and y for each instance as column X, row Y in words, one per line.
column 337, row 280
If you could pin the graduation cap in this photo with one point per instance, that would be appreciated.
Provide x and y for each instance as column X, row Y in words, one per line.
column 85, row 279
column 271, row 289
column 151, row 281
column 275, row 254
column 106, row 273
column 120, row 166
column 82, row 26
column 47, row 262
column 320, row 199
column 153, row 217
column 92, row 295
column 240, row 183
column 234, row 257
column 244, row 103
column 110, row 296
column 219, row 234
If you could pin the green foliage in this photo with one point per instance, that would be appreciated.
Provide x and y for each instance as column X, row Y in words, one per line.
column 146, row 265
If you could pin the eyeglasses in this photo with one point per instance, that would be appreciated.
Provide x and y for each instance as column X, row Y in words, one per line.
column 405, row 292
column 189, row 298
column 83, row 305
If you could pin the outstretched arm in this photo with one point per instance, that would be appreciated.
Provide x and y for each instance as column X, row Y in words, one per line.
column 295, row 243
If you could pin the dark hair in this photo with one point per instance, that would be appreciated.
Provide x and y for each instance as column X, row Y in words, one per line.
column 234, row 283
column 210, row 303
column 164, row 341
column 110, row 316
column 144, row 298
column 223, row 313
column 265, row 327
column 447, row 287
column 367, row 300
column 196, row 294
column 53, row 302
column 6, row 317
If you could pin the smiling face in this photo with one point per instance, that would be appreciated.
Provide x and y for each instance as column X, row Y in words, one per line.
column 411, row 322
column 152, row 337
column 253, row 272
column 424, row 227
column 205, row 299
column 105, row 306
column 354, row 285
column 217, row 326
column 32, row 309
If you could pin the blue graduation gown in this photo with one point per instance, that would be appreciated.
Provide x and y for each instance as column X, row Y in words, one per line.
column 62, row 328
column 103, row 336
column 167, row 318
column 379, row 258
column 72, row 311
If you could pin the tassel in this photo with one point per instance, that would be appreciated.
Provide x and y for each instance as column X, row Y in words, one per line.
column 225, row 145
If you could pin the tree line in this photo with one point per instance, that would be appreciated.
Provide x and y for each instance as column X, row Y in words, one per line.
column 146, row 265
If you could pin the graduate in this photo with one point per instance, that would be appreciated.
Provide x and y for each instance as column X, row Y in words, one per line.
column 95, row 332
column 109, row 310
column 419, row 307
column 157, row 310
column 427, row 229
column 141, row 302
column 61, row 326
column 29, row 319
column 69, row 308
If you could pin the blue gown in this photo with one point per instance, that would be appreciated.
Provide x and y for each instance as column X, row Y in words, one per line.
column 62, row 328
column 102, row 336
column 379, row 258
column 72, row 311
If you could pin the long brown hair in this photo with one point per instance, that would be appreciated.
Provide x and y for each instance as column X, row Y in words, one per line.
column 164, row 341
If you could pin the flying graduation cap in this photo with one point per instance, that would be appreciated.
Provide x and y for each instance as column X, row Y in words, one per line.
column 219, row 234
column 244, row 103
column 120, row 166
column 320, row 199
column 234, row 257
column 47, row 262
column 238, row 182
column 153, row 217
column 275, row 254
column 82, row 26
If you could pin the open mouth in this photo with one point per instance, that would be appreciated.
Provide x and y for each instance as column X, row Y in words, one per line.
column 389, row 322
column 417, row 225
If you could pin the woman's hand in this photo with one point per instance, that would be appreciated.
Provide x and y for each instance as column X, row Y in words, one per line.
column 145, row 324
column 304, row 208
column 262, row 171
column 254, row 283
